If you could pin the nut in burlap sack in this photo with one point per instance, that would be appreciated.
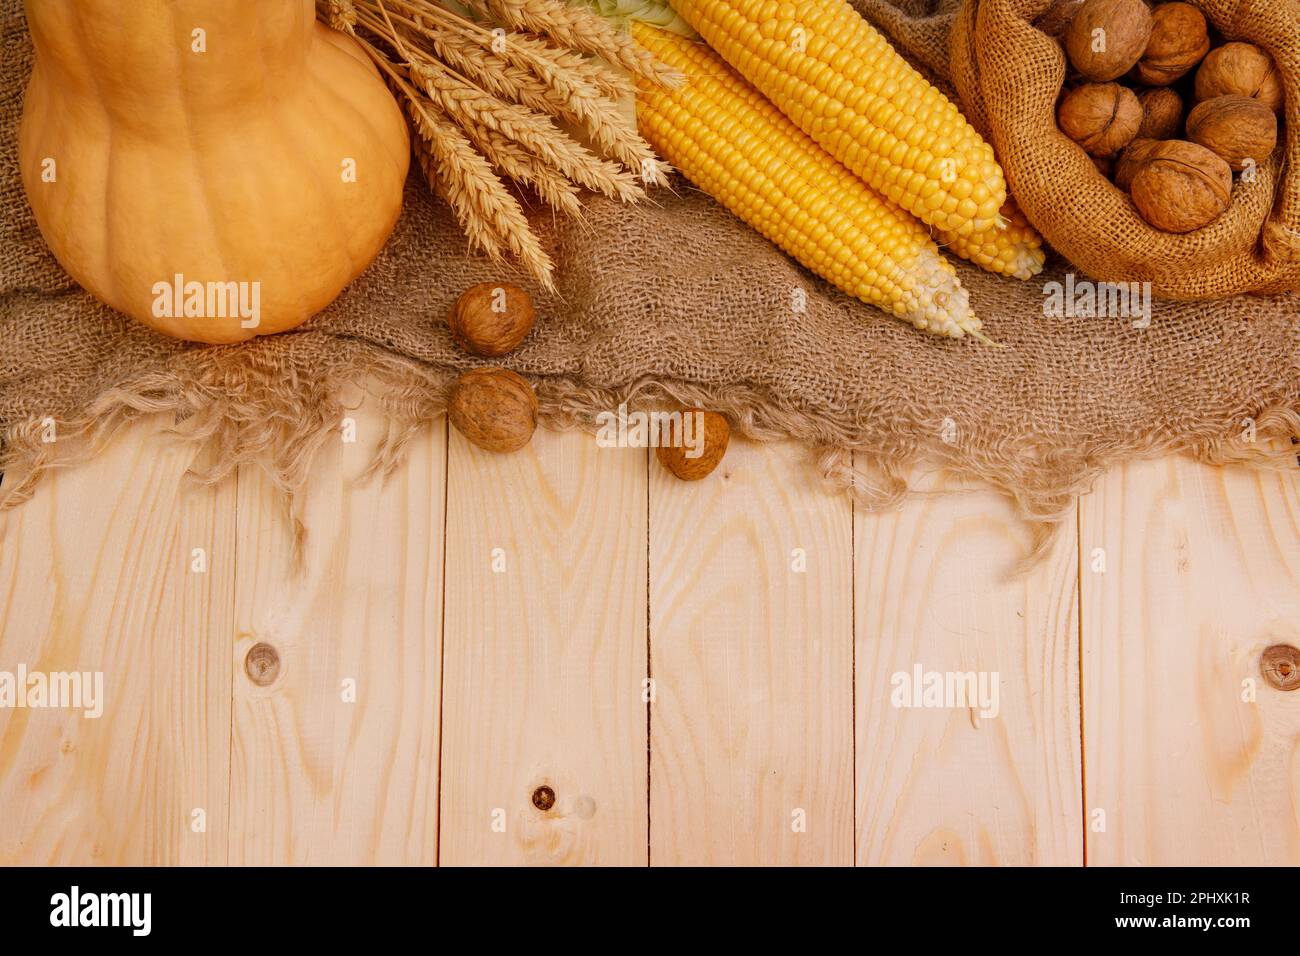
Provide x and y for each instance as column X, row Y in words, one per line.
column 1010, row 75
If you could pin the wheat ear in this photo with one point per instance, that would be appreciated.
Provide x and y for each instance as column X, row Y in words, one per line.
column 609, row 80
column 341, row 15
column 578, row 29
column 518, row 73
column 515, row 162
column 491, row 217
column 464, row 102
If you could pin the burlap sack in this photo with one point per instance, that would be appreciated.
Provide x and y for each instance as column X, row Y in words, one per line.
column 1009, row 76
column 675, row 299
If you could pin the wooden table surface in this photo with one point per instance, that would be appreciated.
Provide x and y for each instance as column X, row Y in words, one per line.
column 480, row 634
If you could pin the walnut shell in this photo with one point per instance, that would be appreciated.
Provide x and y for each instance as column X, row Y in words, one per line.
column 1240, row 130
column 1182, row 187
column 491, row 318
column 1162, row 114
column 1243, row 69
column 1105, row 165
column 1057, row 17
column 1180, row 38
column 1107, row 37
column 717, row 435
column 1103, row 118
column 1131, row 160
column 494, row 408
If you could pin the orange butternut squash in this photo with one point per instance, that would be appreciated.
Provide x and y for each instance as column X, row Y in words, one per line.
column 217, row 169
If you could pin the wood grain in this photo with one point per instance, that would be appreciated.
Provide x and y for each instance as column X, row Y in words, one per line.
column 545, row 654
column 945, row 785
column 336, row 761
column 1202, row 572
column 751, row 731
column 96, row 575
column 772, row 686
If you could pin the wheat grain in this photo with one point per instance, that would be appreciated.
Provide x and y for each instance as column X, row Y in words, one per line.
column 464, row 102
column 515, row 162
column 484, row 101
column 535, row 82
column 515, row 71
column 612, row 82
column 341, row 15
column 491, row 218
column 578, row 29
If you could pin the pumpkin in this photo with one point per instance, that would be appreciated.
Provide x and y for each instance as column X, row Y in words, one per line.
column 217, row 169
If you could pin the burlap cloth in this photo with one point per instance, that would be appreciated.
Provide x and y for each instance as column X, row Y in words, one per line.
column 1010, row 75
column 668, row 299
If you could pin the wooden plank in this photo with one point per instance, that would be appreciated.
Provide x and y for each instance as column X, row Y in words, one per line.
column 1202, row 572
column 545, row 654
column 751, row 730
column 944, row 785
column 336, row 760
column 99, row 573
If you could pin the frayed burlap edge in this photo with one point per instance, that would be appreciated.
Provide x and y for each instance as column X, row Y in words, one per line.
column 235, row 410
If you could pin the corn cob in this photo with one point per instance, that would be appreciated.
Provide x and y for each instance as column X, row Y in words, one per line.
column 736, row 146
column 843, row 84
column 1011, row 248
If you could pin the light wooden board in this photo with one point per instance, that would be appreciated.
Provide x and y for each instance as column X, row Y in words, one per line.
column 751, row 655
column 956, row 784
column 336, row 762
column 1202, row 572
column 756, row 712
column 545, row 654
column 96, row 576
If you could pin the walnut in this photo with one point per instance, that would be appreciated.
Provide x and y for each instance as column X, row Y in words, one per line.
column 1107, row 37
column 1058, row 16
column 491, row 318
column 1162, row 114
column 494, row 408
column 1240, row 130
column 1182, row 187
column 1103, row 118
column 1105, row 165
column 1180, row 39
column 716, row 436
column 1130, row 161
column 1243, row 69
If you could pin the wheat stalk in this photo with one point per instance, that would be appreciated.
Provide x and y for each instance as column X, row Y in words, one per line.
column 341, row 15
column 484, row 98
column 467, row 103
column 513, row 161
column 521, row 73
column 611, row 81
column 492, row 219
column 578, row 29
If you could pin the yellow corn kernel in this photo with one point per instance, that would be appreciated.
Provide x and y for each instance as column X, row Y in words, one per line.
column 841, row 82
column 736, row 146
column 1011, row 248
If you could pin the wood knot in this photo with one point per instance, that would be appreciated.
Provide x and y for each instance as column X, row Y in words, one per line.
column 1280, row 665
column 543, row 798
column 262, row 664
